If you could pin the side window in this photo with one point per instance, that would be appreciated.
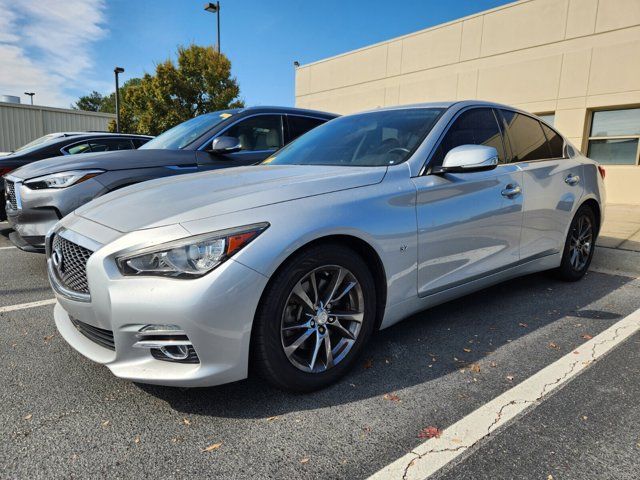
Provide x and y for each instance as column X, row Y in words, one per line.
column 473, row 127
column 110, row 144
column 526, row 137
column 138, row 142
column 83, row 147
column 555, row 141
column 301, row 125
column 262, row 132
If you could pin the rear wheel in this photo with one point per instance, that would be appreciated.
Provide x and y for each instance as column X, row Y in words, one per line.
column 579, row 245
column 315, row 317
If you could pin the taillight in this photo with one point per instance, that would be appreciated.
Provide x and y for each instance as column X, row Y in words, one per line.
column 603, row 172
column 5, row 170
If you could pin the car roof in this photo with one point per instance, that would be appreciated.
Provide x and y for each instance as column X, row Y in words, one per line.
column 95, row 133
column 287, row 110
column 458, row 104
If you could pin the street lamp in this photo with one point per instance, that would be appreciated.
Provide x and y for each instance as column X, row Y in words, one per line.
column 214, row 8
column 31, row 94
column 117, row 71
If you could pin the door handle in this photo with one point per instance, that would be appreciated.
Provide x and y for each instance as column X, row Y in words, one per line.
column 511, row 191
column 572, row 179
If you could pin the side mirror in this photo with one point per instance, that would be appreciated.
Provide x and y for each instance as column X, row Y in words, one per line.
column 224, row 144
column 469, row 158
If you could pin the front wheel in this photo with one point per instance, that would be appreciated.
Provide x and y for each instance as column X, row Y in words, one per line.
column 579, row 246
column 315, row 317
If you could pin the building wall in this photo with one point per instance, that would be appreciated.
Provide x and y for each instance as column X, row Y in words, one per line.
column 19, row 123
column 570, row 57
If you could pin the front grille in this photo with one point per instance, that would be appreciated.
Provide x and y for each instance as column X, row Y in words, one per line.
column 102, row 337
column 10, row 193
column 70, row 263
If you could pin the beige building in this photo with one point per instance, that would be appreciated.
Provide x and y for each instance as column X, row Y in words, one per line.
column 575, row 61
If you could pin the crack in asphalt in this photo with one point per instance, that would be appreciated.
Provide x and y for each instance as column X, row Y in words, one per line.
column 537, row 400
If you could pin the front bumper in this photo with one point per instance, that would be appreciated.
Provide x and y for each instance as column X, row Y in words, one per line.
column 215, row 311
column 39, row 210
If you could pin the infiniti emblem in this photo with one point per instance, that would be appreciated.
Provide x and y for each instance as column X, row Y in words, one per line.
column 56, row 258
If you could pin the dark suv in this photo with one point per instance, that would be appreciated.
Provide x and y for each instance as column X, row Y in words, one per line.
column 40, row 194
column 66, row 143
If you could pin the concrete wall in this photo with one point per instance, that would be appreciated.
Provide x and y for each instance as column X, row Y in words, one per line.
column 564, row 56
column 19, row 123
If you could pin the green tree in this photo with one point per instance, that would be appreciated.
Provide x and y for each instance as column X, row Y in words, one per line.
column 201, row 82
column 90, row 103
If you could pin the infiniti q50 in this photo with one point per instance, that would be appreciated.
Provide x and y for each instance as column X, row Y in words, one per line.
column 288, row 267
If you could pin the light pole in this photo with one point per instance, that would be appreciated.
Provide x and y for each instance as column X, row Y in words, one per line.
column 31, row 94
column 214, row 8
column 117, row 71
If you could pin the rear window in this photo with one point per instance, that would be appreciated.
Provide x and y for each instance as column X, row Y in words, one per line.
column 526, row 137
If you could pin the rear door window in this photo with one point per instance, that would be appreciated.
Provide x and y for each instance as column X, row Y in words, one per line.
column 526, row 137
column 556, row 143
column 477, row 126
column 301, row 125
column 110, row 144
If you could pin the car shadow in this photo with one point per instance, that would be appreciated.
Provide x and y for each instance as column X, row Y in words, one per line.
column 420, row 349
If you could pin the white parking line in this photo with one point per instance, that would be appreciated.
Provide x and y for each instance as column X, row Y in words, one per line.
column 7, row 248
column 22, row 306
column 429, row 457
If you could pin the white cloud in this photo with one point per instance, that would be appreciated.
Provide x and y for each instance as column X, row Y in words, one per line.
column 46, row 47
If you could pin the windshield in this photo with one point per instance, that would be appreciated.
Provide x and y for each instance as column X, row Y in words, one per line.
column 183, row 134
column 369, row 139
column 37, row 143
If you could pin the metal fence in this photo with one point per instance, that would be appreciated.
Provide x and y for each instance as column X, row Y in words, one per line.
column 19, row 123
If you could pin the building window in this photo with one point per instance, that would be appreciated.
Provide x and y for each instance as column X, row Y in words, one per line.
column 550, row 118
column 614, row 137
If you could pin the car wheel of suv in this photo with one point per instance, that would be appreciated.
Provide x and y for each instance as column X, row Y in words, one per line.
column 579, row 245
column 315, row 316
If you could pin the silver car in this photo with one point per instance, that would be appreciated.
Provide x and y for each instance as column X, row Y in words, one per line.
column 287, row 268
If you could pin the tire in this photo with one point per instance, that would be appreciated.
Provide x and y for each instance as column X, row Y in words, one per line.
column 284, row 318
column 572, row 270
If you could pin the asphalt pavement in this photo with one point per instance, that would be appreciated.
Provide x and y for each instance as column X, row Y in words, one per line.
column 64, row 416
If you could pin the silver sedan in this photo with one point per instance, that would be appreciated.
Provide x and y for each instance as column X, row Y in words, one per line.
column 285, row 269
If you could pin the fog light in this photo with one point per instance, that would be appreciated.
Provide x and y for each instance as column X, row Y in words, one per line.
column 167, row 342
column 176, row 352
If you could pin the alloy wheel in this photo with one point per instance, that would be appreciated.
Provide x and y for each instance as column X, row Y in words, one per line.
column 322, row 318
column 581, row 243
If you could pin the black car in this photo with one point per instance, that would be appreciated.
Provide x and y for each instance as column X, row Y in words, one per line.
column 42, row 193
column 66, row 143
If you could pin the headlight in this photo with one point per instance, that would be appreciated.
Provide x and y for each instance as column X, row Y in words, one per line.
column 190, row 257
column 62, row 179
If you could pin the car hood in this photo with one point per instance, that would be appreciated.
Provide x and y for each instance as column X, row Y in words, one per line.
column 184, row 198
column 118, row 160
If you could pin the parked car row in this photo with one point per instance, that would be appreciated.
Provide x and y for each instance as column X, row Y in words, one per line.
column 66, row 143
column 286, row 268
column 39, row 193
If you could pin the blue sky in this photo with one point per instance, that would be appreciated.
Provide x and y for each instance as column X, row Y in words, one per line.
column 64, row 48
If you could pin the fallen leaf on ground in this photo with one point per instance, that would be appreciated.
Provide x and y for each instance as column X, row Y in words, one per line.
column 105, row 423
column 475, row 368
column 368, row 363
column 584, row 417
column 186, row 421
column 48, row 338
column 510, row 377
column 212, row 447
column 136, row 439
column 493, row 364
column 430, row 432
column 586, row 336
column 467, row 350
column 523, row 325
column 271, row 419
column 28, row 416
column 553, row 345
column 391, row 397
column 304, row 460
